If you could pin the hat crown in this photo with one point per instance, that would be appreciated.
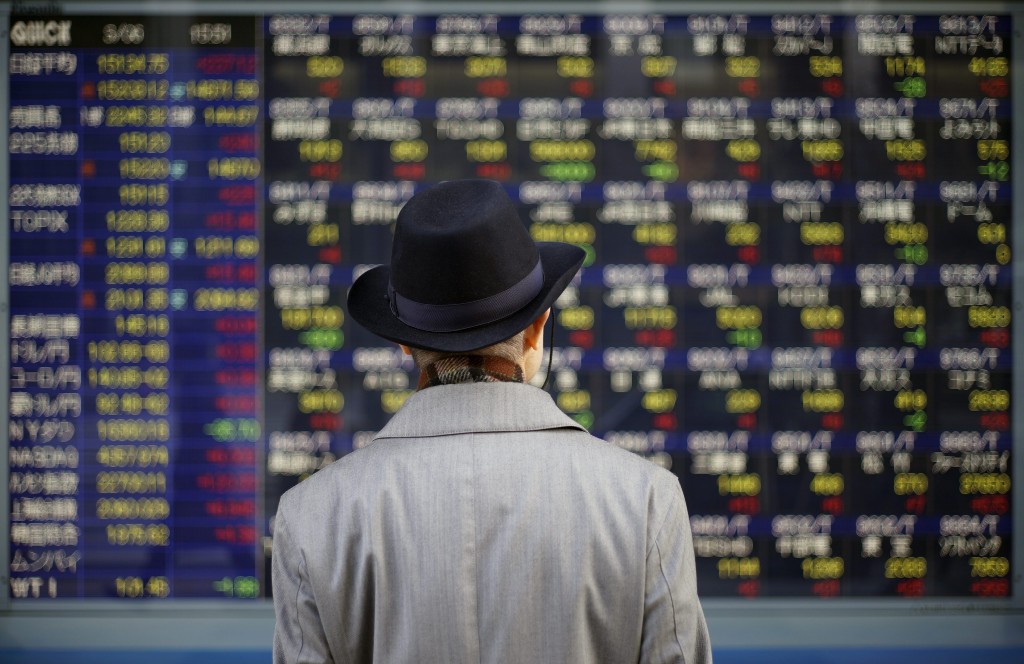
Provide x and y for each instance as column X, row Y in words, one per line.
column 460, row 242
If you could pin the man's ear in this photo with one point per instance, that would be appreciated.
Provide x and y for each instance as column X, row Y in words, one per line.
column 535, row 331
column 405, row 349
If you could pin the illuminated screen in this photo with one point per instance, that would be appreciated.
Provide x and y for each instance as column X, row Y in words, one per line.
column 796, row 296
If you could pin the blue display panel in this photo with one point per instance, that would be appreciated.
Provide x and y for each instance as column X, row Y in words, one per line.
column 797, row 295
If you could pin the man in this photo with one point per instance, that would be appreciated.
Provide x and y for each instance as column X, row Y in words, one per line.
column 481, row 524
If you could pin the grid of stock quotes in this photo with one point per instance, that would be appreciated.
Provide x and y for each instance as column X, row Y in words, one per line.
column 796, row 294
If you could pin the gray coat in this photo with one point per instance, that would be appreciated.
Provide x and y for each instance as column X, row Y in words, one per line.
column 484, row 525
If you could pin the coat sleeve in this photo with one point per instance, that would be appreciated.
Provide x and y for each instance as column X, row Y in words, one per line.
column 674, row 629
column 299, row 636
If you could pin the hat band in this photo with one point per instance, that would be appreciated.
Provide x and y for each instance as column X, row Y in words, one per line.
column 464, row 315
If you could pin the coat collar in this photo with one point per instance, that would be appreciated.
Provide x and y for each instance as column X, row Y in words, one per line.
column 445, row 410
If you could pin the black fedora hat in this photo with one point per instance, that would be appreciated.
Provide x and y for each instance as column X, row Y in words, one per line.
column 464, row 272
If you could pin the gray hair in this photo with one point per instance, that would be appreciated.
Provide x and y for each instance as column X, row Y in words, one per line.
column 510, row 349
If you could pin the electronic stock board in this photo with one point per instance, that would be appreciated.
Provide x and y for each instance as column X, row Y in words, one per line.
column 797, row 293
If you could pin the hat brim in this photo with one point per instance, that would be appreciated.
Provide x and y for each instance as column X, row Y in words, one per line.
column 368, row 305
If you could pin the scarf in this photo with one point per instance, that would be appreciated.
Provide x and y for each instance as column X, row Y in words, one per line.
column 470, row 369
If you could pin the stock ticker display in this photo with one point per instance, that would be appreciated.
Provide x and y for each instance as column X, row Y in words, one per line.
column 796, row 296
